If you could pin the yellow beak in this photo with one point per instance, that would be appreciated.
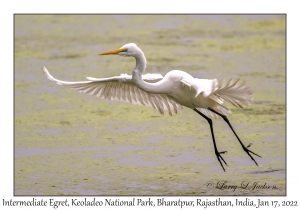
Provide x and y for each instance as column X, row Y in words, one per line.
column 110, row 52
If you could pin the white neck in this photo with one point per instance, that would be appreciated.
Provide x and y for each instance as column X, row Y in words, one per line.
column 137, row 76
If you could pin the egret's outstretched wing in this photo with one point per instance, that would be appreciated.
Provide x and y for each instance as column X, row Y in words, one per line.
column 232, row 90
column 122, row 88
column 204, row 86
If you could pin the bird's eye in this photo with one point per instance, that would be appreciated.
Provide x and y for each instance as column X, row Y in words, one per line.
column 124, row 50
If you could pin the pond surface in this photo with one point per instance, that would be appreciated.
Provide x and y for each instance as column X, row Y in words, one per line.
column 67, row 143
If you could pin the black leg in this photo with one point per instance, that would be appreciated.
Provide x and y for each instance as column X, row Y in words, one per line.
column 243, row 146
column 218, row 154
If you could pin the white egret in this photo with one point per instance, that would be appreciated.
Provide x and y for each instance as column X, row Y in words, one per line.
column 169, row 93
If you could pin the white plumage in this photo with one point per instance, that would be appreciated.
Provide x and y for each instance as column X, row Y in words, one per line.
column 122, row 88
column 169, row 93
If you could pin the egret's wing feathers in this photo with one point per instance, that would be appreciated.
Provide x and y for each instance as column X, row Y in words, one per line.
column 204, row 86
column 234, row 91
column 116, row 78
column 128, row 78
column 122, row 88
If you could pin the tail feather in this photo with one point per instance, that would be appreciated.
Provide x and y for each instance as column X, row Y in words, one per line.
column 234, row 91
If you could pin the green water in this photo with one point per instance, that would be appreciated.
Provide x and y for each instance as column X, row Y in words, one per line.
column 67, row 143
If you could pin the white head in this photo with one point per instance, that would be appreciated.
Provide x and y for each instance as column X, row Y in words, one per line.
column 130, row 49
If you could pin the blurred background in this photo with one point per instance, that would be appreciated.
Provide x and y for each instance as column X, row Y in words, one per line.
column 67, row 143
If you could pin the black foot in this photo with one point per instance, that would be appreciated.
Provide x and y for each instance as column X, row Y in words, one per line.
column 218, row 154
column 249, row 151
